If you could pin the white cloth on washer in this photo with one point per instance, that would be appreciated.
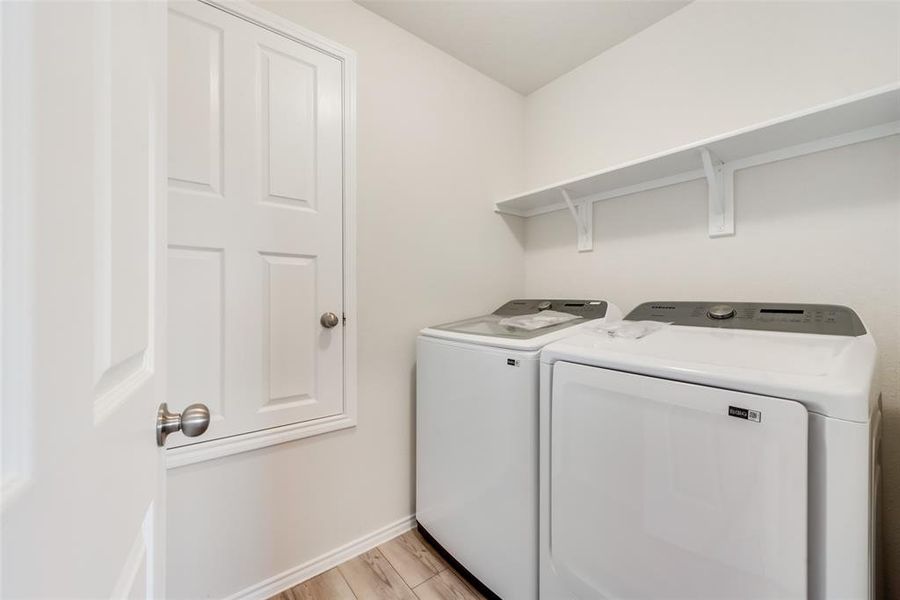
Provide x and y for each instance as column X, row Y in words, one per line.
column 545, row 318
column 630, row 330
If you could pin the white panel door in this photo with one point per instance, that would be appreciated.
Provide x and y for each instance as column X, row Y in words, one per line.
column 255, row 223
column 656, row 491
column 83, row 298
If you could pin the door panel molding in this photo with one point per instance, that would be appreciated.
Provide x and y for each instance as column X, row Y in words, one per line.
column 124, row 212
column 200, row 273
column 209, row 178
column 290, row 348
column 298, row 199
column 16, row 251
column 133, row 581
column 288, row 78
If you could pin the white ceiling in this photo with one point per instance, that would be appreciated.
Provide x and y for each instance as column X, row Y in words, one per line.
column 524, row 43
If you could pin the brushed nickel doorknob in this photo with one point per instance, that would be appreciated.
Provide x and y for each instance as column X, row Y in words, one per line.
column 192, row 422
column 329, row 320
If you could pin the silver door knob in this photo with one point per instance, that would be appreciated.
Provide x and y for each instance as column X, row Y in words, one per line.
column 329, row 320
column 192, row 422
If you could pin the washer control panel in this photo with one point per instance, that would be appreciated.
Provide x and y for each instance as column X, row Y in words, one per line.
column 823, row 319
column 588, row 309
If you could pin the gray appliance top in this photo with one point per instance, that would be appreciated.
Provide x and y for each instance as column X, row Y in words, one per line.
column 489, row 325
column 824, row 319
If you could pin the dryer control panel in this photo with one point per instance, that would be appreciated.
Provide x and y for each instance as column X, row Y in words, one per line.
column 823, row 319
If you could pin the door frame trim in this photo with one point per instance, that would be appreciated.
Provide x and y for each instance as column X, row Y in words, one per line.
column 202, row 451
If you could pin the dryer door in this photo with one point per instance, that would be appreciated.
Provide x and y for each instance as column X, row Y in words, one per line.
column 662, row 489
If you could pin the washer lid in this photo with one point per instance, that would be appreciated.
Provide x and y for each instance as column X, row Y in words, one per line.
column 489, row 325
column 487, row 330
column 832, row 375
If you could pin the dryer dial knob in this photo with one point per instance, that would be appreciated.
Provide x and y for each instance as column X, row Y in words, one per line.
column 720, row 311
column 544, row 305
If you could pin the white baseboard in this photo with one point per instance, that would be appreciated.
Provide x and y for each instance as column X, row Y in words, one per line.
column 299, row 574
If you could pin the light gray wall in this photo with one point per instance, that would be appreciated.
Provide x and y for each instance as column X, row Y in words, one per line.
column 438, row 142
column 710, row 68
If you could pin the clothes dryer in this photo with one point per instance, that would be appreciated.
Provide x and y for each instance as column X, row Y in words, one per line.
column 731, row 454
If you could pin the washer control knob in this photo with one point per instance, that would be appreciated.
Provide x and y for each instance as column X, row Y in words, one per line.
column 544, row 305
column 720, row 311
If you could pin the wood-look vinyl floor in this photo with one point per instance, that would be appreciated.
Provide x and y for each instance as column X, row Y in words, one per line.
column 404, row 568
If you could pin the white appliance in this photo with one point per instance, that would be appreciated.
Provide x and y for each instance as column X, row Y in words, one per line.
column 476, row 440
column 732, row 454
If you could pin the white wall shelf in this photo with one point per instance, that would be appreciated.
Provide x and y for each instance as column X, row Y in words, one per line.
column 859, row 118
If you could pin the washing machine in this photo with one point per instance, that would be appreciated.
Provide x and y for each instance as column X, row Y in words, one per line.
column 711, row 451
column 476, row 438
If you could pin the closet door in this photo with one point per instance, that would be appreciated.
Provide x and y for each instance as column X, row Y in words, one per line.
column 255, row 223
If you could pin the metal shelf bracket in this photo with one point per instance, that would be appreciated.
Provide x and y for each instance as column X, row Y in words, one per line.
column 583, row 213
column 720, row 179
